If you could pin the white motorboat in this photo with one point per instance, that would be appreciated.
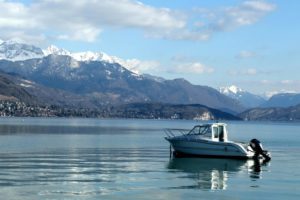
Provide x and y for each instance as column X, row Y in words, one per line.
column 211, row 140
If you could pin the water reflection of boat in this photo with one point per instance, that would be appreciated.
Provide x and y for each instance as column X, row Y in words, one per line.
column 212, row 174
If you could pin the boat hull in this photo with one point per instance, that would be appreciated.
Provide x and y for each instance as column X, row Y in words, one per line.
column 206, row 148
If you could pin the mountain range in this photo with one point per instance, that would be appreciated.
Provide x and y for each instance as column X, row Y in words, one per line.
column 21, row 97
column 283, row 100
column 96, row 79
column 280, row 107
column 291, row 113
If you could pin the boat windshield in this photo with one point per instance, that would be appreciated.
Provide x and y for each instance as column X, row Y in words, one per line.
column 201, row 130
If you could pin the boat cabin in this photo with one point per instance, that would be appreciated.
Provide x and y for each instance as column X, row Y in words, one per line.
column 215, row 131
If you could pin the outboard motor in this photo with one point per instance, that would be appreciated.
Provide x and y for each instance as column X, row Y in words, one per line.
column 258, row 149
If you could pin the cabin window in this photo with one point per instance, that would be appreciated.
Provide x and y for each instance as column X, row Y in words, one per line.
column 216, row 132
column 201, row 130
column 221, row 133
column 196, row 130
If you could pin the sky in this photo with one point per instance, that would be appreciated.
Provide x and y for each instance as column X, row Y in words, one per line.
column 253, row 44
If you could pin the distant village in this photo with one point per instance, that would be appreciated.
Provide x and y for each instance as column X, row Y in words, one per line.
column 21, row 109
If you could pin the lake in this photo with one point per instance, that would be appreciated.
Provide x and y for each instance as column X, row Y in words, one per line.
column 57, row 158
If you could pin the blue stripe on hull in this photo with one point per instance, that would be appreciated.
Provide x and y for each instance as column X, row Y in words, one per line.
column 179, row 154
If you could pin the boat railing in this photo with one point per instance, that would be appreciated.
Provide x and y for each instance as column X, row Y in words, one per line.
column 175, row 132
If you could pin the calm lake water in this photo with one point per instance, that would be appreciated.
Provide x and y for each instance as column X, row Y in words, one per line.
column 58, row 158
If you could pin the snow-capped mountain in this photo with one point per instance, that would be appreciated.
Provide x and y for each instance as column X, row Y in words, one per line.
column 56, row 51
column 231, row 91
column 247, row 99
column 79, row 56
column 87, row 56
column 15, row 51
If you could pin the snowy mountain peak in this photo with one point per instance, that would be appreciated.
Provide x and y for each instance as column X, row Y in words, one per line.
column 247, row 99
column 230, row 90
column 92, row 56
column 55, row 50
column 15, row 51
column 82, row 56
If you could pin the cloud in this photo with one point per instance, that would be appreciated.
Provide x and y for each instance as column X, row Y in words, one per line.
column 117, row 13
column 85, row 20
column 180, row 34
column 251, row 71
column 231, row 18
column 246, row 72
column 265, row 82
column 15, row 16
column 84, row 33
column 141, row 66
column 246, row 54
column 287, row 82
column 189, row 65
column 204, row 23
column 18, row 22
column 181, row 65
column 193, row 68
